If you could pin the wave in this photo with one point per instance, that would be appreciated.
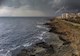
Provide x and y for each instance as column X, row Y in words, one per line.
column 42, row 27
column 4, row 52
column 15, row 50
column 27, row 44
column 33, row 37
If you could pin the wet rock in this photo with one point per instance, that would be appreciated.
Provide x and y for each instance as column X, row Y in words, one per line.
column 23, row 52
column 47, row 24
column 41, row 48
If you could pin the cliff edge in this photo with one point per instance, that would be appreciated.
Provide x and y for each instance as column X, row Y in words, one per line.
column 67, row 42
column 68, row 31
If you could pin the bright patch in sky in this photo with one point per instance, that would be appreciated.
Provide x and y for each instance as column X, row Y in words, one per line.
column 22, row 11
column 28, row 7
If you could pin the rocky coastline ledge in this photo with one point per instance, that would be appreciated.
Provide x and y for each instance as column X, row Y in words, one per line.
column 67, row 42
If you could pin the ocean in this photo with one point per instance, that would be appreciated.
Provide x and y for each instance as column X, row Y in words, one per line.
column 20, row 32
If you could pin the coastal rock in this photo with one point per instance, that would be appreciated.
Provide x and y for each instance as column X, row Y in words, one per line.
column 47, row 24
column 67, row 42
column 68, row 31
column 39, row 49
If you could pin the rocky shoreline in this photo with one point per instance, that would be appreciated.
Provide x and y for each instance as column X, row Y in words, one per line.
column 66, row 42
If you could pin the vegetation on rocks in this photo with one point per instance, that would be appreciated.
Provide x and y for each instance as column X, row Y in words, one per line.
column 68, row 32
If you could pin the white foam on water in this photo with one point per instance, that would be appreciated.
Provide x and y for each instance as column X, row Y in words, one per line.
column 43, row 33
column 14, row 48
column 39, row 26
column 27, row 44
column 3, row 52
column 8, row 53
column 42, row 27
column 40, row 36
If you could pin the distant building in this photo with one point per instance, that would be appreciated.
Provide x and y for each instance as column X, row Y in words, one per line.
column 72, row 15
column 78, row 14
column 68, row 15
column 65, row 15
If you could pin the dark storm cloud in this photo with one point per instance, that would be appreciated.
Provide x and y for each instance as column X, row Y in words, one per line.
column 35, row 4
column 14, row 3
column 42, row 4
column 49, row 7
column 1, row 1
column 70, row 4
column 62, row 6
column 73, row 4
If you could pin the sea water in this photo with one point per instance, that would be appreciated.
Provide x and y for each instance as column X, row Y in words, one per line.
column 20, row 32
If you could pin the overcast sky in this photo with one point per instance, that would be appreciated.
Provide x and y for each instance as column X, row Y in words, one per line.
column 37, row 7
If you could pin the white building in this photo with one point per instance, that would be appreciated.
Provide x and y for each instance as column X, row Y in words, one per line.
column 70, row 15
column 78, row 14
column 65, row 15
column 73, row 15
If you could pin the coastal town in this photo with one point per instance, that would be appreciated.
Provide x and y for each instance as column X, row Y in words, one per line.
column 68, row 15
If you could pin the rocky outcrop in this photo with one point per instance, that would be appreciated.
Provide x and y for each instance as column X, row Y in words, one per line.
column 39, row 49
column 68, row 31
column 67, row 42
